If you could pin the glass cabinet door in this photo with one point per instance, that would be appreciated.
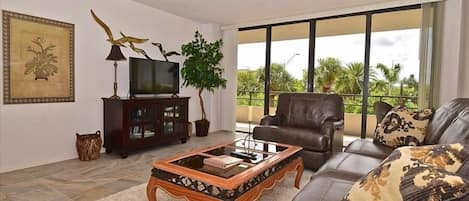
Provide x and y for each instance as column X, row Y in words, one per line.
column 172, row 116
column 169, row 114
column 142, row 123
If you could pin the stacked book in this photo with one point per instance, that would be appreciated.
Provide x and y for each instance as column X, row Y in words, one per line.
column 222, row 161
column 224, row 166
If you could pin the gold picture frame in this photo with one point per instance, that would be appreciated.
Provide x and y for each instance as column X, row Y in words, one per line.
column 38, row 59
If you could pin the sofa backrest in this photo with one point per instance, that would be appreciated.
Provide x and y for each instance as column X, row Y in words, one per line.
column 458, row 130
column 309, row 110
column 448, row 122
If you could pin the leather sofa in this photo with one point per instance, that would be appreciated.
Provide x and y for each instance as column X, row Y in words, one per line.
column 312, row 121
column 450, row 124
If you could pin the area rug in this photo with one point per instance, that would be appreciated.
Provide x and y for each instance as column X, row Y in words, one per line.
column 283, row 191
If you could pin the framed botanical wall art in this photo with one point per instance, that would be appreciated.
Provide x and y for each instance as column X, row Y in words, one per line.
column 38, row 59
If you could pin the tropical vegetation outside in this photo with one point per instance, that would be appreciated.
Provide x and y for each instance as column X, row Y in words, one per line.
column 339, row 53
column 332, row 76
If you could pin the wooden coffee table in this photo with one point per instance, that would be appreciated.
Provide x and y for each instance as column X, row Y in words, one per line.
column 185, row 176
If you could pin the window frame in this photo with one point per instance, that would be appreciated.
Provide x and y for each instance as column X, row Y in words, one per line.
column 311, row 55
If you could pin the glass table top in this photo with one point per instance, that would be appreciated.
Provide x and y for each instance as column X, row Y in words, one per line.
column 260, row 149
column 196, row 162
column 259, row 146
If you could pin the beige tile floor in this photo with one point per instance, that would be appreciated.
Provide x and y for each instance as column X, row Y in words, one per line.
column 92, row 180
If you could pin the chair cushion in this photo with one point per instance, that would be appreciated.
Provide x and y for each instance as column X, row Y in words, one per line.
column 368, row 148
column 415, row 173
column 325, row 186
column 401, row 127
column 306, row 138
column 352, row 165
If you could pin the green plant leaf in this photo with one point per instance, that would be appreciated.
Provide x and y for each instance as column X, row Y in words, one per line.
column 201, row 69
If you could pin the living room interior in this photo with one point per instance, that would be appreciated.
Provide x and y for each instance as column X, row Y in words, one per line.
column 304, row 92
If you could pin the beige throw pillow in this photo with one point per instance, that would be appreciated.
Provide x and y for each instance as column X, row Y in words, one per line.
column 401, row 127
column 415, row 173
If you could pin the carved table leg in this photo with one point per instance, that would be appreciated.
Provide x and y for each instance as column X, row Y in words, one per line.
column 299, row 172
column 151, row 189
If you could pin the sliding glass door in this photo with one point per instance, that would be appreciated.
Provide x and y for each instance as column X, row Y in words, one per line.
column 338, row 65
column 394, row 60
column 364, row 57
column 251, row 67
column 289, row 61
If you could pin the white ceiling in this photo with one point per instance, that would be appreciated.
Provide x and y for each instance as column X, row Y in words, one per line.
column 228, row 12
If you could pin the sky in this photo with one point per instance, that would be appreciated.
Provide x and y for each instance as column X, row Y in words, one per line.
column 390, row 47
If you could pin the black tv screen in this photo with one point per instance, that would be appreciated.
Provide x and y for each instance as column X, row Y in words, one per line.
column 153, row 76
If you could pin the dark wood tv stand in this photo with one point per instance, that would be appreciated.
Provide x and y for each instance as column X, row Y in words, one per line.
column 135, row 123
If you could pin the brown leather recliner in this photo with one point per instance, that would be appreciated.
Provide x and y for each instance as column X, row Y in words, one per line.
column 312, row 121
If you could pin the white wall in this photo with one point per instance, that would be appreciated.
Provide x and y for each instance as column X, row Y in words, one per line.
column 450, row 54
column 228, row 95
column 34, row 134
column 454, row 80
column 213, row 33
column 464, row 76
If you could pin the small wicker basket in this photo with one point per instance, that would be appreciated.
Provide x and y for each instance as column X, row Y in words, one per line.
column 89, row 146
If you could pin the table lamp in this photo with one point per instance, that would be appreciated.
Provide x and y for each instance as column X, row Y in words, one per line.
column 115, row 55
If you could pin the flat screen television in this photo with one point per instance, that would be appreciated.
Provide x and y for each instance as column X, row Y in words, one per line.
column 153, row 77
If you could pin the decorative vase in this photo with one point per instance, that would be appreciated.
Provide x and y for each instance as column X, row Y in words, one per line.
column 201, row 127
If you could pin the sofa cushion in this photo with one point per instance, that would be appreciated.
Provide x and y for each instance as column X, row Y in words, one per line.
column 308, row 139
column 401, row 127
column 352, row 165
column 415, row 173
column 314, row 159
column 369, row 148
column 325, row 186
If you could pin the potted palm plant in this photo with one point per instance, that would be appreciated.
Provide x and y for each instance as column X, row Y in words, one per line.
column 202, row 70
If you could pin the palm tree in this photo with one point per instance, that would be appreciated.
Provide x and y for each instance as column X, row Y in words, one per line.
column 280, row 78
column 412, row 86
column 411, row 82
column 248, row 82
column 326, row 73
column 391, row 75
column 351, row 79
column 377, row 87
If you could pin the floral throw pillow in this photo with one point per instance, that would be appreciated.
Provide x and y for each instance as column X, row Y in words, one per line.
column 400, row 127
column 449, row 157
column 415, row 173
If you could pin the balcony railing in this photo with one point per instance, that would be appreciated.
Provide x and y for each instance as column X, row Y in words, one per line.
column 352, row 102
column 250, row 109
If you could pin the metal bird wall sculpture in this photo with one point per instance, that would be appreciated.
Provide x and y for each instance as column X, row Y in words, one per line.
column 163, row 52
column 132, row 46
column 120, row 41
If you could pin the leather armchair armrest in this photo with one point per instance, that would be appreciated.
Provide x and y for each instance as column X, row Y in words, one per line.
column 335, row 130
column 269, row 120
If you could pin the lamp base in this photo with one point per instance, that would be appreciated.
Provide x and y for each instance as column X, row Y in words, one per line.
column 115, row 97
